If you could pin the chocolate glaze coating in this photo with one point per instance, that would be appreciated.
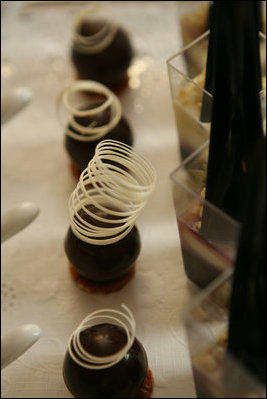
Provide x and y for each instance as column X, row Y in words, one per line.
column 108, row 66
column 81, row 152
column 123, row 380
column 103, row 263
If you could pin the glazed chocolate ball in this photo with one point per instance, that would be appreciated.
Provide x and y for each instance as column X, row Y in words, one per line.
column 108, row 66
column 103, row 263
column 122, row 380
column 81, row 152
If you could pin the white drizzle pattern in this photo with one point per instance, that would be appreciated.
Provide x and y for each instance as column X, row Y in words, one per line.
column 97, row 42
column 84, row 358
column 90, row 132
column 119, row 190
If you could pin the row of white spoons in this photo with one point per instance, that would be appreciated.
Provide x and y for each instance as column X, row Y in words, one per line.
column 17, row 341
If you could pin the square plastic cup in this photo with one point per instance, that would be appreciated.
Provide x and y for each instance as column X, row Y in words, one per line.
column 192, row 20
column 187, row 81
column 192, row 104
column 216, row 373
column 209, row 238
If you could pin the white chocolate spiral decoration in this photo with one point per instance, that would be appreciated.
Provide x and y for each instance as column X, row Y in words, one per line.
column 96, row 42
column 109, row 196
column 90, row 132
column 111, row 316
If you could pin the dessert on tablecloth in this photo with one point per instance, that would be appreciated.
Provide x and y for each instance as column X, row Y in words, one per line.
column 187, row 110
column 93, row 113
column 100, row 50
column 105, row 360
column 103, row 242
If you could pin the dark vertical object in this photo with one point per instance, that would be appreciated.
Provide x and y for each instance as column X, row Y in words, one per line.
column 236, row 112
column 236, row 178
column 209, row 77
column 247, row 322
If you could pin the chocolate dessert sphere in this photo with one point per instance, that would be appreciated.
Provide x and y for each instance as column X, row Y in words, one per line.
column 103, row 263
column 101, row 51
column 102, row 242
column 94, row 113
column 121, row 380
column 81, row 152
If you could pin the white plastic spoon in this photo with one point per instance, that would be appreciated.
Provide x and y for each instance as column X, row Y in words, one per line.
column 16, row 218
column 14, row 101
column 17, row 341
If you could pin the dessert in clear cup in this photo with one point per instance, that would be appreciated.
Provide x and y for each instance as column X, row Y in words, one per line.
column 205, row 258
column 190, row 97
column 207, row 322
column 236, row 184
column 194, row 17
column 208, row 371
column 94, row 114
column 100, row 50
column 193, row 23
column 191, row 101
column 104, row 359
column 205, row 255
column 187, row 75
column 187, row 106
column 103, row 241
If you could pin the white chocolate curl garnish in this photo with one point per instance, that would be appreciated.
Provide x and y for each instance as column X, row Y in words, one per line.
column 96, row 42
column 110, row 316
column 109, row 196
column 92, row 131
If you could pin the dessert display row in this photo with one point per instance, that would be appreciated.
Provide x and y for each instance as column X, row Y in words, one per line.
column 103, row 241
column 114, row 182
column 102, row 244
column 207, row 252
column 104, row 358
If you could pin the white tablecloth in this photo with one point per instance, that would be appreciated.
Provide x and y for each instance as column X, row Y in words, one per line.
column 36, row 284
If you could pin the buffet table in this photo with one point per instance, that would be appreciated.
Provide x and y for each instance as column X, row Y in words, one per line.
column 36, row 284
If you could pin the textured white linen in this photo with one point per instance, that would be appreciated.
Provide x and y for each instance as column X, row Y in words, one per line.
column 36, row 284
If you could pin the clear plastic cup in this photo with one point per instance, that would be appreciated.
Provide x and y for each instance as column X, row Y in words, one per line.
column 207, row 253
column 192, row 104
column 216, row 373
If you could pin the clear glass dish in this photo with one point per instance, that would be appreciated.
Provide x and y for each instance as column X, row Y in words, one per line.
column 187, row 73
column 217, row 374
column 206, row 252
column 187, row 81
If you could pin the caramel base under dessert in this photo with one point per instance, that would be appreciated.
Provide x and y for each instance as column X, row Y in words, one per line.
column 75, row 171
column 101, row 288
column 147, row 387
